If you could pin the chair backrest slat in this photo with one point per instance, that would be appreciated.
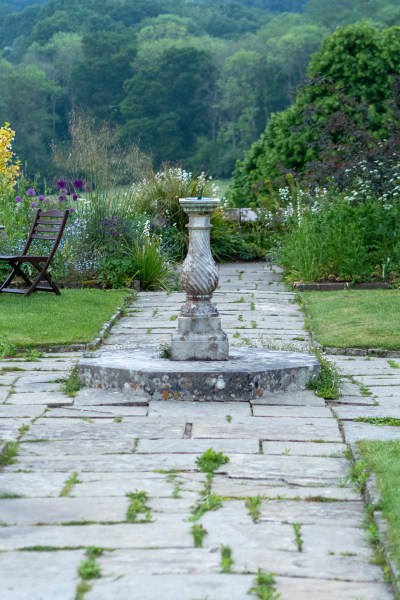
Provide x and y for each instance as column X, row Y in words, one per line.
column 43, row 237
column 48, row 225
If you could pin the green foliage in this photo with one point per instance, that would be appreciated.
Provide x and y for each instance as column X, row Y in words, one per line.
column 392, row 421
column 340, row 238
column 210, row 461
column 138, row 506
column 226, row 559
column 151, row 264
column 89, row 569
column 298, row 536
column 209, row 502
column 116, row 272
column 72, row 384
column 253, row 505
column 69, row 484
column 264, row 586
column 198, row 533
column 327, row 383
column 348, row 101
column 7, row 348
column 9, row 453
column 382, row 458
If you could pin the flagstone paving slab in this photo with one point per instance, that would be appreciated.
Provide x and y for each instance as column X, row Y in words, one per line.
column 312, row 467
column 39, row 399
column 349, row 412
column 270, row 429
column 39, row 575
column 316, row 589
column 162, row 533
column 28, row 411
column 191, row 587
column 334, row 449
column 292, row 411
column 299, row 489
column 156, row 485
column 355, row 432
column 33, row 511
column 299, row 398
column 32, row 484
column 108, row 462
column 197, row 410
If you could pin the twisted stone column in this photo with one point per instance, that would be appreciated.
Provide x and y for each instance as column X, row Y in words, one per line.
column 199, row 335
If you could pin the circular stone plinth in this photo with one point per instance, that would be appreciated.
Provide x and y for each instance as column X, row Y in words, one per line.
column 249, row 373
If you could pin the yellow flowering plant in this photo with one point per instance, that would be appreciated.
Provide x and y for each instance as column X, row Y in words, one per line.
column 9, row 167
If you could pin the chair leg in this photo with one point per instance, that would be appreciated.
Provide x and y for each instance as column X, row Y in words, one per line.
column 16, row 270
column 42, row 275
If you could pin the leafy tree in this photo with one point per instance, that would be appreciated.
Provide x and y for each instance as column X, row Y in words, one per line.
column 26, row 102
column 349, row 89
column 98, row 77
column 167, row 104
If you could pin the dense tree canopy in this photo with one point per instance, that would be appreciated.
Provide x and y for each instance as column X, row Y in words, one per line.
column 350, row 92
column 109, row 59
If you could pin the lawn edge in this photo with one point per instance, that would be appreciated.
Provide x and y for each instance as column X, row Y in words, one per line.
column 371, row 497
column 96, row 342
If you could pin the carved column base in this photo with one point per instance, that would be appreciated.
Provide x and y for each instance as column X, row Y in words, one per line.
column 199, row 338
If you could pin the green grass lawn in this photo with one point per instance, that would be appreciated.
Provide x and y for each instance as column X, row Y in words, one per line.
column 383, row 458
column 45, row 319
column 355, row 318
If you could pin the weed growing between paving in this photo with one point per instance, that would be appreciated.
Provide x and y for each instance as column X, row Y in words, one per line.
column 176, row 482
column 8, row 455
column 7, row 348
column 298, row 536
column 72, row 384
column 69, row 484
column 210, row 461
column 393, row 364
column 165, row 351
column 138, row 506
column 226, row 559
column 253, row 505
column 392, row 421
column 198, row 533
column 264, row 586
column 327, row 383
column 88, row 569
column 10, row 496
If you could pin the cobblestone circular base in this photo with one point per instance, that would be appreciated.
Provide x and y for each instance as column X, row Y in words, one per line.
column 249, row 373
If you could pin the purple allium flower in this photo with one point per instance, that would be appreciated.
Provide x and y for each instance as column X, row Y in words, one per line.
column 78, row 184
column 67, row 193
column 30, row 192
column 18, row 199
column 74, row 197
column 33, row 204
column 61, row 184
column 72, row 209
column 41, row 198
column 62, row 198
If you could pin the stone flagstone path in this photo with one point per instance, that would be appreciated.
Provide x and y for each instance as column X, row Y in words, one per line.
column 78, row 459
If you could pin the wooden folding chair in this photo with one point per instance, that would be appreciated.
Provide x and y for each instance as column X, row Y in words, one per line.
column 48, row 225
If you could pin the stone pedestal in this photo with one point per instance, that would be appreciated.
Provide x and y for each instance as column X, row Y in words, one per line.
column 199, row 335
